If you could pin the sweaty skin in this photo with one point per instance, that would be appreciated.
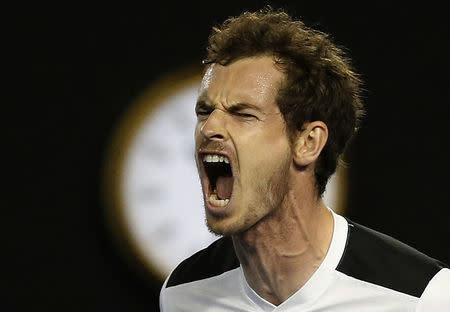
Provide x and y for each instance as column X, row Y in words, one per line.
column 237, row 116
column 280, row 228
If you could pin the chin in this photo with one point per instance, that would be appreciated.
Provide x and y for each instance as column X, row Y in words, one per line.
column 219, row 227
column 224, row 226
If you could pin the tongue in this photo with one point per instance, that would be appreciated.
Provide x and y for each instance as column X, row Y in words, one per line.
column 224, row 186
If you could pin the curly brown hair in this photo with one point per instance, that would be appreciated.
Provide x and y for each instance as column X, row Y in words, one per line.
column 319, row 82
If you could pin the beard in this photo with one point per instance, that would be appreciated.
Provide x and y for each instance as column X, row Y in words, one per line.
column 266, row 192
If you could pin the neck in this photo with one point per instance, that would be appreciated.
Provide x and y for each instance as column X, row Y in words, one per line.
column 283, row 250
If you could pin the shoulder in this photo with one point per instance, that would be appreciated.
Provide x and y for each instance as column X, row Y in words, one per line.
column 380, row 259
column 197, row 282
column 214, row 260
column 435, row 297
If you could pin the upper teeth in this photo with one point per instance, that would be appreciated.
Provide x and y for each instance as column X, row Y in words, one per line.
column 215, row 158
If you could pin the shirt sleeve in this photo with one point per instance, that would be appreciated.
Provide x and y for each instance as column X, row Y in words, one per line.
column 436, row 296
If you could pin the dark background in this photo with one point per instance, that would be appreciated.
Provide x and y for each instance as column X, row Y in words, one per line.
column 71, row 71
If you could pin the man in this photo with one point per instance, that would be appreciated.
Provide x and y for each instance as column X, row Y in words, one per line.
column 277, row 106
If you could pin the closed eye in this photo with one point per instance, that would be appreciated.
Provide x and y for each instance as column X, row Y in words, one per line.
column 242, row 109
column 202, row 112
column 246, row 115
column 203, row 109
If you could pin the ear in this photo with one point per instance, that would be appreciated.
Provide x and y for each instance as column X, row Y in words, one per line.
column 309, row 143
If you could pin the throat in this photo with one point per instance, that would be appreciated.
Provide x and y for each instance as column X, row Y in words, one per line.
column 280, row 254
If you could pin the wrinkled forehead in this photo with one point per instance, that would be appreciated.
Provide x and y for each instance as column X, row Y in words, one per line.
column 252, row 76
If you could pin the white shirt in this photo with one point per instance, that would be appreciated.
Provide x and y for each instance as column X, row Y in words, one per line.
column 395, row 277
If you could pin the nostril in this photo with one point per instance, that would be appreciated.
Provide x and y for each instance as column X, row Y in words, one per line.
column 212, row 134
column 216, row 136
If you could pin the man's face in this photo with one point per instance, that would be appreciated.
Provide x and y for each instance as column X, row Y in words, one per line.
column 242, row 148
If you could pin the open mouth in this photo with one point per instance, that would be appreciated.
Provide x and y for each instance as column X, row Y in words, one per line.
column 220, row 178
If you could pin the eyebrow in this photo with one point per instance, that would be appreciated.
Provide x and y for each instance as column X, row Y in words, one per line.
column 241, row 106
column 202, row 104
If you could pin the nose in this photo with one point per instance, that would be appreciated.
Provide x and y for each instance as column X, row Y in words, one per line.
column 214, row 126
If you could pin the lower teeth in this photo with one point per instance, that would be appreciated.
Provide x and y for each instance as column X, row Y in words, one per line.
column 218, row 202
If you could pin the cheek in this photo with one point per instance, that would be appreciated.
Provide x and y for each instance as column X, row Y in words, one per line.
column 267, row 145
column 260, row 156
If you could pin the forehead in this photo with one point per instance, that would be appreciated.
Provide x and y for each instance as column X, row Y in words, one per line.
column 251, row 79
